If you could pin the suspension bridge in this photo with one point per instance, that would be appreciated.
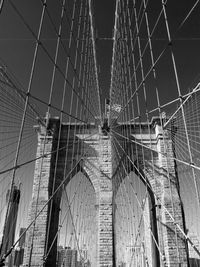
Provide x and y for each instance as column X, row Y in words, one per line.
column 99, row 133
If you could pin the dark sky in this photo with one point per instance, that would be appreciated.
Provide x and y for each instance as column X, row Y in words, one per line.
column 104, row 17
column 17, row 44
column 185, row 46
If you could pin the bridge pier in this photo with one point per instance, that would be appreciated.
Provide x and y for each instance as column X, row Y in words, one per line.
column 98, row 167
column 161, row 174
column 151, row 156
column 105, row 204
column 170, row 212
column 36, row 234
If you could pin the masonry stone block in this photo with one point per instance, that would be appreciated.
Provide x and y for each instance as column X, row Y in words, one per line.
column 99, row 166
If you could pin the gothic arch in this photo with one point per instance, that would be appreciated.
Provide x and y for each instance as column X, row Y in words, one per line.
column 61, row 163
column 100, row 168
column 150, row 218
column 160, row 174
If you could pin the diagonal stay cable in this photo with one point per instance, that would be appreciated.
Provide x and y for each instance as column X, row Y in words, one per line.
column 142, row 206
column 95, row 57
column 46, row 103
column 188, row 14
column 24, row 113
column 47, row 53
column 21, row 93
column 63, row 46
column 149, row 71
column 42, row 156
column 60, row 226
column 40, row 211
column 161, row 203
column 192, row 165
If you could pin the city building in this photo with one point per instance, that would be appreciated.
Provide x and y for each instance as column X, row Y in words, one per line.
column 22, row 239
column 19, row 251
column 74, row 258
column 79, row 264
column 67, row 257
column 12, row 200
column 195, row 241
column 60, row 256
column 194, row 258
column 87, row 264
column 18, row 257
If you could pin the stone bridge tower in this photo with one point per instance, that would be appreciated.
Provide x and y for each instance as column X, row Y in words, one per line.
column 58, row 167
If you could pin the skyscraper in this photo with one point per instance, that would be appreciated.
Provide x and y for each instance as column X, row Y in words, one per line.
column 12, row 198
column 19, row 252
column 18, row 257
column 60, row 256
column 22, row 239
column 74, row 258
column 66, row 257
column 79, row 264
